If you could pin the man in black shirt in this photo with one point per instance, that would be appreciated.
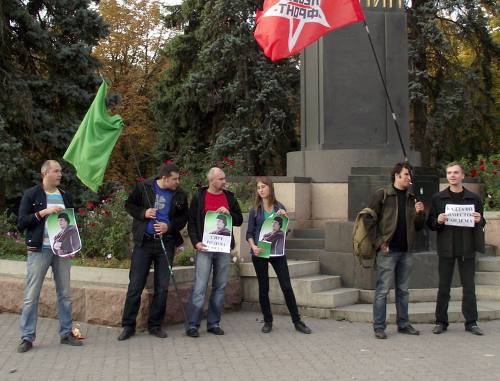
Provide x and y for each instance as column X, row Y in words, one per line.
column 399, row 216
column 456, row 244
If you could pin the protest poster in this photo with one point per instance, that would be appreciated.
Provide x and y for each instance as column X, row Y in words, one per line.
column 459, row 215
column 272, row 236
column 217, row 232
column 63, row 233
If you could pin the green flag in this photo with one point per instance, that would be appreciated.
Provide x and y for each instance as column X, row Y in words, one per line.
column 91, row 147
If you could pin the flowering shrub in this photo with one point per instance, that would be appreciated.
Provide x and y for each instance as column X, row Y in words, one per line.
column 105, row 228
column 487, row 170
column 11, row 243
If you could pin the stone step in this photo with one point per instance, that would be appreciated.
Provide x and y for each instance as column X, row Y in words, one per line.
column 419, row 312
column 303, row 254
column 490, row 250
column 488, row 264
column 303, row 288
column 417, row 295
column 488, row 278
column 332, row 298
column 305, row 243
column 484, row 292
column 296, row 268
column 308, row 233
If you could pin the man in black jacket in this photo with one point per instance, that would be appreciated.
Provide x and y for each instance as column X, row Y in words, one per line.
column 37, row 203
column 456, row 243
column 160, row 210
column 212, row 198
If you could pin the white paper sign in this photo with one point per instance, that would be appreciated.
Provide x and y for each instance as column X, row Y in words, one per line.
column 459, row 215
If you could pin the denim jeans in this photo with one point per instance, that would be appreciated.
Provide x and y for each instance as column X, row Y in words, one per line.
column 392, row 266
column 280, row 266
column 37, row 265
column 204, row 263
column 142, row 257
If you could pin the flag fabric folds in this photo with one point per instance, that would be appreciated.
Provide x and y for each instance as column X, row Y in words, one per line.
column 91, row 147
column 285, row 27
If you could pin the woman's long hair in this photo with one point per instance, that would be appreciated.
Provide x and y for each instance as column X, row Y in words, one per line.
column 272, row 198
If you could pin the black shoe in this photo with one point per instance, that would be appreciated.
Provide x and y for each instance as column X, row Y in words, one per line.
column 438, row 329
column 216, row 331
column 25, row 346
column 158, row 332
column 475, row 330
column 192, row 332
column 267, row 327
column 302, row 327
column 409, row 330
column 71, row 340
column 380, row 334
column 126, row 334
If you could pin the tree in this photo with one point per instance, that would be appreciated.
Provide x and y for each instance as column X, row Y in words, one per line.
column 47, row 79
column 221, row 96
column 452, row 89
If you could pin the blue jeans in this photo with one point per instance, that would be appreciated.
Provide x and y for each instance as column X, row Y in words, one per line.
column 204, row 263
column 397, row 266
column 37, row 265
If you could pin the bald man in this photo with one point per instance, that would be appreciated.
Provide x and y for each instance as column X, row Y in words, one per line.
column 37, row 203
column 217, row 199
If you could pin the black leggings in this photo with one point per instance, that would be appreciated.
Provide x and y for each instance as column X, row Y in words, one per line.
column 281, row 268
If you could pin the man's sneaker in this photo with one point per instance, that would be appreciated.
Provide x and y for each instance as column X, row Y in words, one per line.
column 192, row 332
column 438, row 329
column 158, row 332
column 127, row 333
column 475, row 330
column 25, row 346
column 409, row 330
column 302, row 327
column 380, row 334
column 267, row 327
column 71, row 340
column 216, row 331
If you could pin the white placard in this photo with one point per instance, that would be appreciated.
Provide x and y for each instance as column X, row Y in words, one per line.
column 459, row 215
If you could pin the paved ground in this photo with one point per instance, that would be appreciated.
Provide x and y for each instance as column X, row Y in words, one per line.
column 335, row 351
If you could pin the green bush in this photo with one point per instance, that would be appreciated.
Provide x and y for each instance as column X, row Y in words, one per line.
column 487, row 169
column 184, row 258
column 11, row 243
column 105, row 228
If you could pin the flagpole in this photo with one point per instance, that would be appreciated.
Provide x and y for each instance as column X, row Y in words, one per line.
column 394, row 118
column 170, row 269
column 393, row 113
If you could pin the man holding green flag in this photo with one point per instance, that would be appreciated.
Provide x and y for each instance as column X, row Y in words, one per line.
column 91, row 147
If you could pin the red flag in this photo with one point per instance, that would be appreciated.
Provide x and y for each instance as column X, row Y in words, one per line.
column 285, row 27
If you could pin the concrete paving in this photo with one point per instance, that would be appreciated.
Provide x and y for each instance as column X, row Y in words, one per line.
column 336, row 350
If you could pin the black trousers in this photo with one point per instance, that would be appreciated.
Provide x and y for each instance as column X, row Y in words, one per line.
column 281, row 269
column 466, row 269
column 142, row 257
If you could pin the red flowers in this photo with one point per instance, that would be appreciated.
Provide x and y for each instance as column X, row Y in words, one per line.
column 481, row 168
column 140, row 179
column 90, row 205
column 473, row 172
column 167, row 162
column 230, row 162
column 481, row 162
column 495, row 162
column 82, row 212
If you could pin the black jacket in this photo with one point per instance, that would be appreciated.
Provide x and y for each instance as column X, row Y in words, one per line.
column 143, row 197
column 197, row 215
column 34, row 200
column 472, row 238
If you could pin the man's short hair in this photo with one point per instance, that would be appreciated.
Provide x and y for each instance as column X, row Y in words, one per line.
column 211, row 173
column 63, row 215
column 46, row 166
column 453, row 163
column 167, row 169
column 223, row 218
column 279, row 220
column 398, row 168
